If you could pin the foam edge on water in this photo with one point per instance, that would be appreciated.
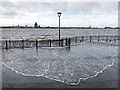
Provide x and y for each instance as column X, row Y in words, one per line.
column 60, row 80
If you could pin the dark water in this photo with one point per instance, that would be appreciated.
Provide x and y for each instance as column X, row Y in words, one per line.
column 11, row 33
column 67, row 65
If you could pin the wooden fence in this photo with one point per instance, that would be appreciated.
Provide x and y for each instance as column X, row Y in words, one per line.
column 7, row 44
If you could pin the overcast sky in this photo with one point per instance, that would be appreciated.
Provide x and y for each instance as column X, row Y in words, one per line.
column 98, row 14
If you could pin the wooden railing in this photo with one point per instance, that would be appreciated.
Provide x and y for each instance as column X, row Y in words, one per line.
column 7, row 44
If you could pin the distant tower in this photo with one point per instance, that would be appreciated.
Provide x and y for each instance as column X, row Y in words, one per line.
column 90, row 26
column 26, row 26
column 35, row 25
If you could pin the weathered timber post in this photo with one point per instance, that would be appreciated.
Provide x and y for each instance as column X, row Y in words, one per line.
column 82, row 38
column 13, row 44
column 107, row 38
column 9, row 43
column 22, row 42
column 69, row 41
column 66, row 41
column 110, row 40
column 115, row 38
column 36, row 43
column 90, row 38
column 50, row 42
column 6, row 44
column 98, row 38
column 76, row 39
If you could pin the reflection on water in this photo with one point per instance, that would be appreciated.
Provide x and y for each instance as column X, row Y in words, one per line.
column 67, row 48
column 67, row 65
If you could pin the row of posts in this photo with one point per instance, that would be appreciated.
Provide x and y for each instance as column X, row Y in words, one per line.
column 8, row 44
column 67, row 41
column 107, row 39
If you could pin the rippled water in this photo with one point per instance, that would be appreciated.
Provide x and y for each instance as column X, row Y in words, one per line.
column 67, row 65
column 15, row 33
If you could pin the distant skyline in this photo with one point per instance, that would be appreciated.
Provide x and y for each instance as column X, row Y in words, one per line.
column 74, row 14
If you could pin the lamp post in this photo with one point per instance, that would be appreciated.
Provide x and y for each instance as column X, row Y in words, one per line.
column 59, row 14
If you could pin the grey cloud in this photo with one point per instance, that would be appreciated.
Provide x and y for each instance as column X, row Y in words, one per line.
column 7, row 9
column 11, row 9
column 82, row 5
column 9, row 13
column 58, row 6
column 39, row 7
column 102, row 7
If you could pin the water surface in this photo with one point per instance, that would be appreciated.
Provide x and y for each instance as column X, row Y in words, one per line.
column 67, row 65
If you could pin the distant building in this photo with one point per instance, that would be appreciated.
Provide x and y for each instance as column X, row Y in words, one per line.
column 18, row 26
column 26, row 26
column 35, row 25
column 90, row 26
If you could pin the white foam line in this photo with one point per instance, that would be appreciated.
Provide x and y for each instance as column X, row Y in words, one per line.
column 60, row 80
column 32, row 75
column 97, row 72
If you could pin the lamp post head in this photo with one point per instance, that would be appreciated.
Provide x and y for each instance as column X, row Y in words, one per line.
column 59, row 14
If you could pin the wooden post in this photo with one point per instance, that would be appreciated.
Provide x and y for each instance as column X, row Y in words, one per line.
column 69, row 41
column 22, row 42
column 76, row 39
column 82, row 38
column 36, row 43
column 13, row 44
column 115, row 38
column 107, row 38
column 66, row 41
column 9, row 43
column 90, row 38
column 98, row 38
column 50, row 42
column 6, row 44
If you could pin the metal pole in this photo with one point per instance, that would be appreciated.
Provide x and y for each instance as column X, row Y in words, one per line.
column 59, row 30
